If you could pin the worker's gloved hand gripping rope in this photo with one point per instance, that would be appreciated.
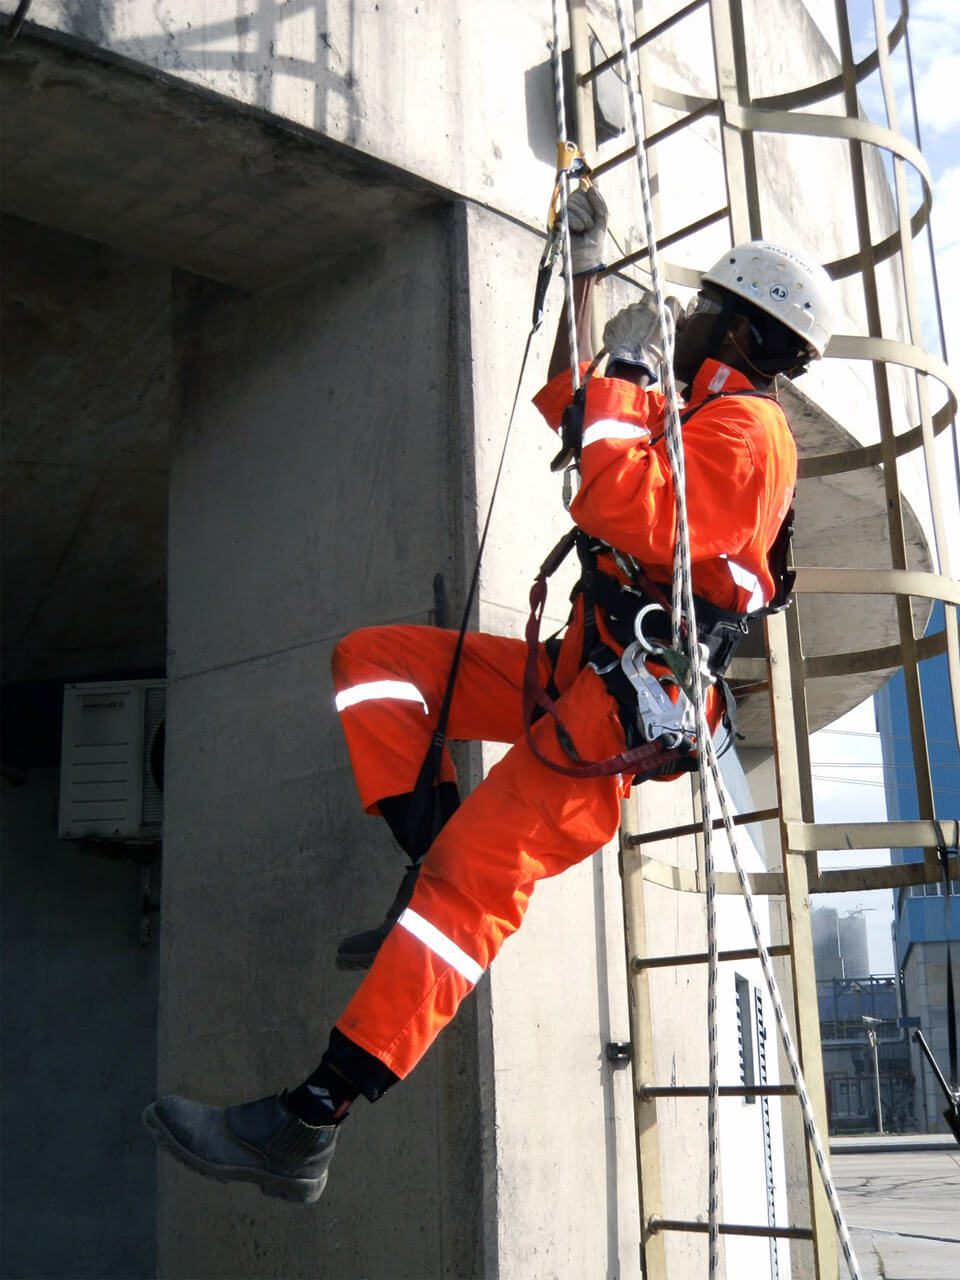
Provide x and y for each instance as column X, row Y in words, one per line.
column 587, row 219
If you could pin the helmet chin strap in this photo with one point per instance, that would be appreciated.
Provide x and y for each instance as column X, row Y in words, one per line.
column 788, row 370
column 732, row 337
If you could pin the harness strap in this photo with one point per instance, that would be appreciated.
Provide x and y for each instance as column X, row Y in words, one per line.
column 636, row 761
column 721, row 629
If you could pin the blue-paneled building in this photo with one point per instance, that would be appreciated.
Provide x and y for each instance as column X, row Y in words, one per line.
column 924, row 919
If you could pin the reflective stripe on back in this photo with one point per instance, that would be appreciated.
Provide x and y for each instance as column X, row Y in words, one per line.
column 747, row 580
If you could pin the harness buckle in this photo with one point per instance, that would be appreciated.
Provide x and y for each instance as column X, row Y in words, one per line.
column 678, row 663
column 657, row 716
column 653, row 647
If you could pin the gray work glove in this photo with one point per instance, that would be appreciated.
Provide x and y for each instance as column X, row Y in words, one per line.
column 633, row 335
column 587, row 215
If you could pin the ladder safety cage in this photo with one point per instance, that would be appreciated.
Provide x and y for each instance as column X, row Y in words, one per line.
column 785, row 671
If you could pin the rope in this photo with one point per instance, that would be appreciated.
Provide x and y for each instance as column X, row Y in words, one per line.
column 430, row 769
column 683, row 606
column 793, row 1058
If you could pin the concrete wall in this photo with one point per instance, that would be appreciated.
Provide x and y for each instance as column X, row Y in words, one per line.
column 316, row 485
column 79, row 1052
column 278, row 546
column 565, row 1176
column 457, row 93
column 85, row 394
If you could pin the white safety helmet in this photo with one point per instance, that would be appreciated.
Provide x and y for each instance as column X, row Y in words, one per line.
column 793, row 290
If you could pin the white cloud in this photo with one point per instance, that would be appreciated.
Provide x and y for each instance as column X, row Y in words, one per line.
column 934, row 29
column 946, row 238
column 938, row 102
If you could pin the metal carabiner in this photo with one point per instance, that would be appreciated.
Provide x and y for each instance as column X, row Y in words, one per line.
column 570, row 161
column 653, row 647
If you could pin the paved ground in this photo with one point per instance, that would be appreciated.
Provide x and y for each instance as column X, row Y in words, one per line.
column 901, row 1197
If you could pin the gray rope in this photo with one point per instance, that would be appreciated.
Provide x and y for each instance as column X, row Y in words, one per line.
column 793, row 1058
column 683, row 605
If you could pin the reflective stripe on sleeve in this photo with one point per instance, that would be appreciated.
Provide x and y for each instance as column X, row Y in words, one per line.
column 441, row 945
column 398, row 690
column 611, row 429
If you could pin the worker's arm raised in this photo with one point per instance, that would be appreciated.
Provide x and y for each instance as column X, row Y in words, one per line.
column 587, row 216
column 627, row 498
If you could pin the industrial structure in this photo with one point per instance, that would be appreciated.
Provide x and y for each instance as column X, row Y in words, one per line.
column 926, row 917
column 269, row 267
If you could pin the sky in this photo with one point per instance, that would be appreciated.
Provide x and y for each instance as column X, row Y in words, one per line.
column 846, row 756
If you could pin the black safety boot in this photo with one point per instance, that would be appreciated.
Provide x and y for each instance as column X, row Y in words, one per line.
column 359, row 950
column 261, row 1142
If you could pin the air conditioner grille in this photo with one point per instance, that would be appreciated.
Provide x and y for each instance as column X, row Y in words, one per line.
column 105, row 791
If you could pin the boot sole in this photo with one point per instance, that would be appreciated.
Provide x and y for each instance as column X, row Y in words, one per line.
column 295, row 1190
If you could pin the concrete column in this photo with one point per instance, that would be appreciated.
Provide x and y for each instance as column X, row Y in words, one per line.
column 561, row 1166
column 316, row 486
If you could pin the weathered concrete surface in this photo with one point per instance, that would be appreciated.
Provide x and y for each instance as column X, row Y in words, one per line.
column 458, row 94
column 79, row 1052
column 86, row 406
column 557, row 993
column 901, row 1207
column 154, row 167
column 315, row 487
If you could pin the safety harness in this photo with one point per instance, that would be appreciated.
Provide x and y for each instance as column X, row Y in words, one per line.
column 659, row 730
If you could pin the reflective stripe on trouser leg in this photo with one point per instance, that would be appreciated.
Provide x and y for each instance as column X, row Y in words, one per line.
column 379, row 691
column 523, row 823
column 386, row 676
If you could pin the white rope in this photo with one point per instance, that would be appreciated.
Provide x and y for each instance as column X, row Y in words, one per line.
column 683, row 606
column 683, row 601
column 793, row 1058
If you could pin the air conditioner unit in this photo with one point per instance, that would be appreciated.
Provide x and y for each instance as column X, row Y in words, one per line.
column 111, row 771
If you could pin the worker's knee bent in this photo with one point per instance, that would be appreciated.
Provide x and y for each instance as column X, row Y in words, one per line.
column 363, row 645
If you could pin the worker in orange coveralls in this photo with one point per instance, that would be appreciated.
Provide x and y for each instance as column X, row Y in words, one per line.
column 761, row 311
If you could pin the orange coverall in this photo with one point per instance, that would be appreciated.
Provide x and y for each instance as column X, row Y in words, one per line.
column 525, row 821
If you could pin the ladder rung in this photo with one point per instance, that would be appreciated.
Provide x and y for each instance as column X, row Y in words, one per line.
column 641, row 40
column 694, row 828
column 639, row 963
column 726, row 1090
column 729, row 1229
column 661, row 135
column 708, row 220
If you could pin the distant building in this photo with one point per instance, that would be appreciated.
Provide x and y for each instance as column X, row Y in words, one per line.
column 848, row 1066
column 826, row 943
column 839, row 944
column 847, row 993
column 923, row 920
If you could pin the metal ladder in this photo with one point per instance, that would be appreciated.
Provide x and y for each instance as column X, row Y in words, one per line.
column 785, row 670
